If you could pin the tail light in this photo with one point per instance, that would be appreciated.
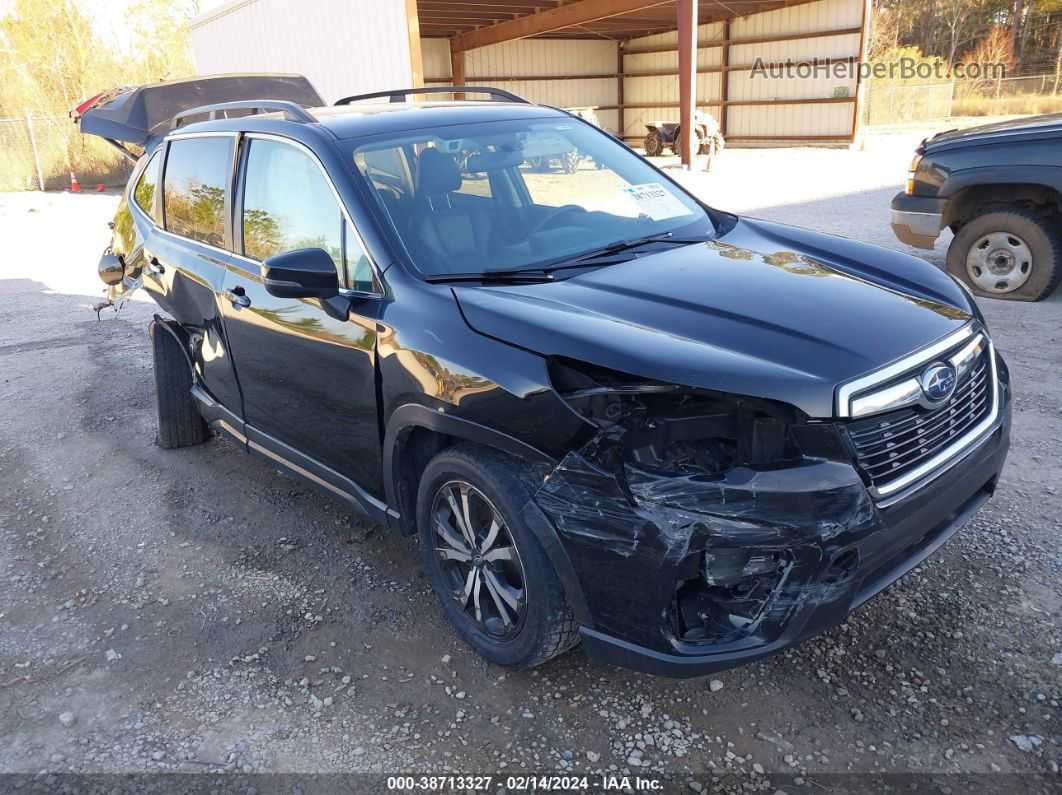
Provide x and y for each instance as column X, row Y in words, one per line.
column 88, row 103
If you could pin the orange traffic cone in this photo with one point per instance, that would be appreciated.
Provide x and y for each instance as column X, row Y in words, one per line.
column 73, row 182
column 100, row 187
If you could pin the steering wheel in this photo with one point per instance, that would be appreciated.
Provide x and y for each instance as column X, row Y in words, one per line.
column 555, row 213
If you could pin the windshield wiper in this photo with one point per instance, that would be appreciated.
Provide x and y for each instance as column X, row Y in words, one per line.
column 512, row 276
column 625, row 245
column 545, row 274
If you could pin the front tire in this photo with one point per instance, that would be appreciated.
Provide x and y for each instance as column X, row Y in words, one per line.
column 492, row 577
column 180, row 424
column 1010, row 253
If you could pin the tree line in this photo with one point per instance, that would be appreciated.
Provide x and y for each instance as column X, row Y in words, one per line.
column 1025, row 35
column 53, row 56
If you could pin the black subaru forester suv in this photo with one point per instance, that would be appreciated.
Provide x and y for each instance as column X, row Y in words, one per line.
column 611, row 413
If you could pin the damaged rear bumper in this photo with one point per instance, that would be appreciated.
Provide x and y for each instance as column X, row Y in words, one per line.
column 644, row 562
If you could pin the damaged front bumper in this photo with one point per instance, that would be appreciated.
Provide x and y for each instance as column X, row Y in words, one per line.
column 683, row 577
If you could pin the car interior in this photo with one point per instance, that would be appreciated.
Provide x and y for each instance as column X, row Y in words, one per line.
column 461, row 205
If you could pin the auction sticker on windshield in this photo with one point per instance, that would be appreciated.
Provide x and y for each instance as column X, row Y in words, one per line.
column 653, row 200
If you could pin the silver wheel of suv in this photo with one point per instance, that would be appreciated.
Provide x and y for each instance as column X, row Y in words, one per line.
column 999, row 262
column 479, row 559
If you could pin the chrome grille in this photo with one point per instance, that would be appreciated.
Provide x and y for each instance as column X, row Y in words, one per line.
column 890, row 445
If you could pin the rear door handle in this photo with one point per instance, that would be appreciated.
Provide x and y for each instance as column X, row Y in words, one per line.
column 236, row 297
column 154, row 267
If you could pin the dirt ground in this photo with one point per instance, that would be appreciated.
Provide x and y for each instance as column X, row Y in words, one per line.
column 194, row 612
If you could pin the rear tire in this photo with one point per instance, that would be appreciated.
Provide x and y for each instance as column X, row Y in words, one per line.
column 1009, row 253
column 654, row 144
column 538, row 623
column 180, row 424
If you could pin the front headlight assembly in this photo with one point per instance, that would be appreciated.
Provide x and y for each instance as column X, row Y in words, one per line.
column 668, row 429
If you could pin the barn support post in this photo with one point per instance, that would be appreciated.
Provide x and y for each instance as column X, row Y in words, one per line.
column 416, row 59
column 457, row 69
column 724, row 77
column 860, row 88
column 687, row 52
column 621, row 126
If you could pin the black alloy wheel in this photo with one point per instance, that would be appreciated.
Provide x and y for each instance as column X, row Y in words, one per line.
column 491, row 575
column 479, row 560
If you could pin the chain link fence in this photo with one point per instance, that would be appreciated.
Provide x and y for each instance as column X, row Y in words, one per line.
column 39, row 152
column 1011, row 96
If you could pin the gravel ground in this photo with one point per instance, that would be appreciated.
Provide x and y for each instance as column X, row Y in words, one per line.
column 192, row 611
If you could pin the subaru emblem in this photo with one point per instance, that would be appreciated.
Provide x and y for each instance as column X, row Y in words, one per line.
column 938, row 382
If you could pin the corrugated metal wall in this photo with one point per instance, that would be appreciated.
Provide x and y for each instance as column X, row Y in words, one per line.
column 344, row 46
column 665, row 89
column 769, row 121
column 539, row 57
column 352, row 46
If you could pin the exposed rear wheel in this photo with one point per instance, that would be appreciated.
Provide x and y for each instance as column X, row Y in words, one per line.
column 494, row 580
column 180, row 424
column 654, row 144
column 1010, row 253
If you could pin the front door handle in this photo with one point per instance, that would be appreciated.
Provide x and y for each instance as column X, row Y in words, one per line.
column 237, row 298
column 154, row 267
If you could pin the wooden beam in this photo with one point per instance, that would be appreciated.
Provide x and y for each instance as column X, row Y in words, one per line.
column 457, row 69
column 529, row 78
column 522, row 6
column 701, row 70
column 715, row 103
column 687, row 63
column 740, row 138
column 578, row 13
column 637, row 105
column 416, row 60
column 620, row 80
column 797, row 101
column 750, row 40
column 724, row 78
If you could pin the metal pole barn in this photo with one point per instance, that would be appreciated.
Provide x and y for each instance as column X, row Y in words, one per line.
column 687, row 58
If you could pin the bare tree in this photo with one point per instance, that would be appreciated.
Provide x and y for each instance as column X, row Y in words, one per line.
column 954, row 15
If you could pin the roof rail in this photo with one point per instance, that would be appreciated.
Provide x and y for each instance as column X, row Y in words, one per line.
column 496, row 94
column 289, row 109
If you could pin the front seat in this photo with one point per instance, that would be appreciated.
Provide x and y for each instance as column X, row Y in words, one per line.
column 448, row 232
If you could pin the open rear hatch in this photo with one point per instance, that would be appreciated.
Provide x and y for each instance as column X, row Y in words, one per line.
column 135, row 115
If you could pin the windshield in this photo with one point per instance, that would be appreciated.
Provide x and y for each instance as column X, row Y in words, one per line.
column 514, row 194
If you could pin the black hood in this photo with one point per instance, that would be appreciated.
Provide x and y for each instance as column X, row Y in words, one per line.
column 1029, row 127
column 766, row 310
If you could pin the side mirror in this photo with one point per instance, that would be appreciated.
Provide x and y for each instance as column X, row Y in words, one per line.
column 111, row 270
column 303, row 273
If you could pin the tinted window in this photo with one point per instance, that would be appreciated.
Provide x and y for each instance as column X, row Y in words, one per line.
column 359, row 272
column 288, row 204
column 515, row 194
column 144, row 192
column 197, row 172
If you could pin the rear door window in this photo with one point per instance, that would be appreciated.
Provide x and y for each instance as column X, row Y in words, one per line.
column 145, row 192
column 198, row 172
